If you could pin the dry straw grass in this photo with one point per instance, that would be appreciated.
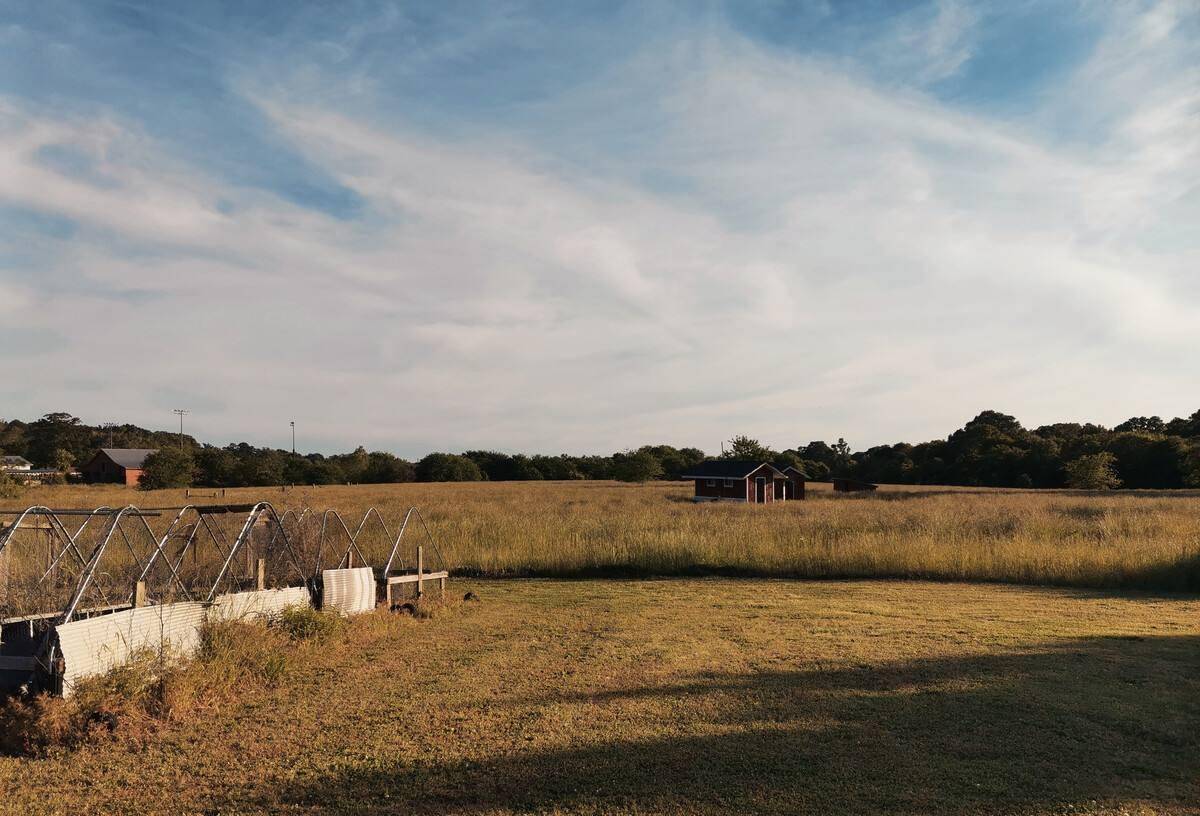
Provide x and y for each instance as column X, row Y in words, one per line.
column 576, row 529
column 236, row 660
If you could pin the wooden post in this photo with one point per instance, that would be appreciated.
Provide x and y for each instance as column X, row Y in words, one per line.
column 139, row 594
column 420, row 571
column 442, row 587
column 350, row 558
column 261, row 574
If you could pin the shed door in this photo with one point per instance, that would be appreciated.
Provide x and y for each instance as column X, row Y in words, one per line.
column 760, row 490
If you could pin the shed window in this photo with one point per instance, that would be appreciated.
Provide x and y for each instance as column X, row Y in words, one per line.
column 729, row 482
column 712, row 483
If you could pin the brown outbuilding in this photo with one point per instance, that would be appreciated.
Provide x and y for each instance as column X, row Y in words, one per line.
column 843, row 484
column 738, row 480
column 797, row 479
column 119, row 465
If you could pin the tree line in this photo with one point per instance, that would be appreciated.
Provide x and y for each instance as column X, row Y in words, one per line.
column 993, row 450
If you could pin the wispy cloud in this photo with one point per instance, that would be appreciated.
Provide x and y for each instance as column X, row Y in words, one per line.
column 702, row 234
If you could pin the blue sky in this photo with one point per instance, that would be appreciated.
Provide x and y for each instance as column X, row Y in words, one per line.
column 587, row 226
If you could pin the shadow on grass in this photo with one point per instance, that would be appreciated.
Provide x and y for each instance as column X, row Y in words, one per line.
column 1109, row 721
column 1168, row 580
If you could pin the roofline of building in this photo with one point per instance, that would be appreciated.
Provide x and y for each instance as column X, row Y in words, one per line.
column 759, row 466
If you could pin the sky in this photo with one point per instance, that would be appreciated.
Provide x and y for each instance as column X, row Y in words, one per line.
column 588, row 226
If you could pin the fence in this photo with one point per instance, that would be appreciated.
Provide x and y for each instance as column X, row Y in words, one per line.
column 84, row 590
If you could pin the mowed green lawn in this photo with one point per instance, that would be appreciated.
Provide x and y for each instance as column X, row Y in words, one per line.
column 691, row 696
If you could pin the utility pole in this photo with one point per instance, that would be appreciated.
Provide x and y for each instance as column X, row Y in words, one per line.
column 181, row 412
column 293, row 437
column 110, row 426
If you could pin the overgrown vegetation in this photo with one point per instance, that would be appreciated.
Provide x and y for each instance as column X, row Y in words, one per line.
column 10, row 488
column 1133, row 540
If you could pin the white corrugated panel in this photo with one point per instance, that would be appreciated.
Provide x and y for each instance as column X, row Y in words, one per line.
column 349, row 591
column 263, row 603
column 95, row 645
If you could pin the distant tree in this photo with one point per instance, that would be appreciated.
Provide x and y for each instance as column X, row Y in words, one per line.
column 1191, row 467
column 1189, row 427
column 12, row 438
column 261, row 467
column 1151, row 424
column 57, row 431
column 817, row 471
column 843, row 460
column 743, row 447
column 558, row 468
column 595, row 467
column 818, row 451
column 524, row 470
column 386, row 468
column 1148, row 460
column 64, row 460
column 674, row 461
column 1093, row 472
column 216, row 467
column 447, row 467
column 319, row 470
column 636, row 466
column 168, row 467
column 788, row 458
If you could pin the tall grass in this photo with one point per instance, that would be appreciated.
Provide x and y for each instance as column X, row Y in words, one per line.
column 573, row 529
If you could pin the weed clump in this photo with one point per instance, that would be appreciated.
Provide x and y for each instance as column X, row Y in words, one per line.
column 306, row 623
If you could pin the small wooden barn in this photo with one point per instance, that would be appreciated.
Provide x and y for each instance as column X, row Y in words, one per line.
column 842, row 484
column 796, row 480
column 118, row 465
column 737, row 480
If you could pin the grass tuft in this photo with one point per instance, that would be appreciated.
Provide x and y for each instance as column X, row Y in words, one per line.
column 306, row 623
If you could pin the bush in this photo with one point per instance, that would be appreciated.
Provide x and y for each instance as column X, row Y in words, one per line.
column 306, row 623
column 169, row 467
column 636, row 466
column 10, row 488
column 447, row 467
column 1093, row 472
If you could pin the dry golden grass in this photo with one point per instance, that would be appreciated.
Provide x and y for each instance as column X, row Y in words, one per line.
column 682, row 696
column 1136, row 539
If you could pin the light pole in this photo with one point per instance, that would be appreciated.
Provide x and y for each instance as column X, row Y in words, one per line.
column 181, row 412
column 293, row 423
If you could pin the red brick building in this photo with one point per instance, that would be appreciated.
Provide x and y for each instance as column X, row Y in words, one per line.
column 735, row 480
column 119, row 465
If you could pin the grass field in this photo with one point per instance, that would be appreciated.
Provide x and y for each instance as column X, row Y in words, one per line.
column 1145, row 540
column 686, row 694
column 690, row 696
